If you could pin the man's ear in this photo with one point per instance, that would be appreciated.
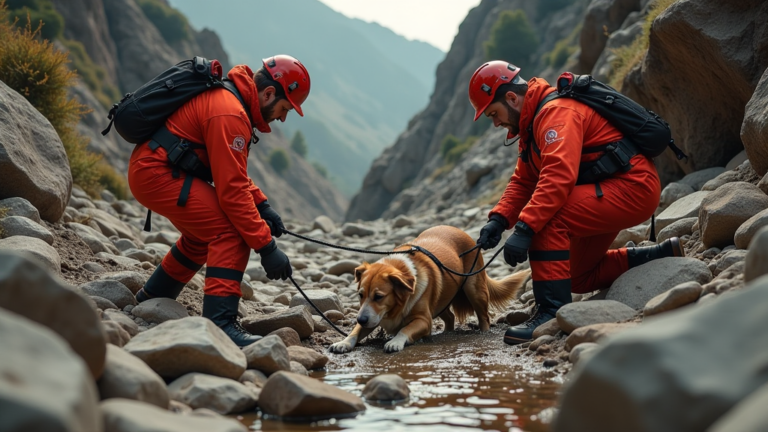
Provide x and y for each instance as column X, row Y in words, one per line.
column 267, row 96
column 404, row 281
column 360, row 270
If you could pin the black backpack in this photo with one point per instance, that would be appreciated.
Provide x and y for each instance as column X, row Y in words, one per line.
column 644, row 131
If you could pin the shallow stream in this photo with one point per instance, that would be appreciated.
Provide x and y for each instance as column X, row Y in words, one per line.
column 459, row 381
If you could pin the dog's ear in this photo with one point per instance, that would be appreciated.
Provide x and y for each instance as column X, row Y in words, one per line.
column 404, row 281
column 360, row 270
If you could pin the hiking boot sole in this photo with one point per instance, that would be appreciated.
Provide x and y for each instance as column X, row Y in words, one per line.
column 509, row 340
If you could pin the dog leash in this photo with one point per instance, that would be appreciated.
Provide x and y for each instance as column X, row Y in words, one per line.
column 316, row 308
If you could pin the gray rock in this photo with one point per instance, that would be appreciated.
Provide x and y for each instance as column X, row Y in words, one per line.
column 193, row 344
column 124, row 244
column 386, row 388
column 290, row 395
column 754, row 130
column 160, row 310
column 697, row 179
column 268, row 355
column 125, row 208
column 324, row 300
column 120, row 318
column 103, row 303
column 635, row 234
column 550, row 328
column 722, row 179
column 748, row 416
column 341, row 267
column 39, row 250
column 299, row 369
column 580, row 314
column 94, row 267
column 111, row 290
column 256, row 272
column 336, row 280
column 582, row 351
column 595, row 333
column 402, row 221
column 763, row 184
column 45, row 386
column 350, row 229
column 539, row 341
column 222, row 395
column 126, row 376
column 168, row 238
column 18, row 206
column 673, row 192
column 289, row 336
column 123, row 415
column 749, row 228
column 736, row 160
column 724, row 210
column 246, row 290
column 20, row 226
column 308, row 358
column 110, row 225
column 134, row 281
column 728, row 259
column 116, row 335
column 756, row 262
column 685, row 207
column 334, row 315
column 640, row 284
column 677, row 297
column 95, row 240
column 323, row 223
column 27, row 289
column 144, row 255
column 674, row 360
column 677, row 229
column 477, row 168
column 158, row 249
column 254, row 377
column 32, row 157
column 313, row 274
column 121, row 260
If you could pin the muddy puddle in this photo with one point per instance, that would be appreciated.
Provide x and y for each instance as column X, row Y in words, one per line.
column 459, row 381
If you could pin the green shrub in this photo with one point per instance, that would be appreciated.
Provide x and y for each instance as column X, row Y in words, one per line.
column 454, row 155
column 449, row 143
column 559, row 55
column 512, row 39
column 111, row 180
column 299, row 144
column 93, row 75
column 320, row 168
column 171, row 23
column 279, row 160
column 34, row 12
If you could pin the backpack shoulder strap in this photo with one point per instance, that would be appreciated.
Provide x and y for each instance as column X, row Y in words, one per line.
column 229, row 85
column 547, row 99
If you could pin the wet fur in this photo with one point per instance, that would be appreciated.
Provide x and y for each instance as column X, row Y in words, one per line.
column 410, row 302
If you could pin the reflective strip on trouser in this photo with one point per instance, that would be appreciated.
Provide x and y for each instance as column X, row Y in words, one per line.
column 207, row 234
column 573, row 245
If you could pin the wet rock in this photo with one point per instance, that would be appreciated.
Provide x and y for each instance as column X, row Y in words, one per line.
column 724, row 210
column 550, row 327
column 28, row 289
column 134, row 281
column 111, row 290
column 673, row 192
column 309, row 358
column 749, row 228
column 192, row 344
column 338, row 268
column 116, row 335
column 290, row 395
column 685, row 207
column 254, row 377
column 324, row 300
column 298, row 318
column 640, row 284
column 123, row 415
column 754, row 130
column 677, row 297
column 697, row 179
column 386, row 388
column 222, row 395
column 289, row 336
column 103, row 303
column 41, row 251
column 299, row 369
column 95, row 240
column 323, row 223
column 595, row 332
column 160, row 310
column 575, row 315
column 582, row 351
column 20, row 226
column 45, row 386
column 268, row 355
column 756, row 262
column 635, row 234
column 352, row 229
column 18, row 206
column 402, row 221
column 748, row 416
column 126, row 376
column 550, row 363
column 126, row 323
column 677, row 229
column 662, row 364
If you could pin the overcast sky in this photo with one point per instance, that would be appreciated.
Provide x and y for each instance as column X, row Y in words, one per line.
column 433, row 21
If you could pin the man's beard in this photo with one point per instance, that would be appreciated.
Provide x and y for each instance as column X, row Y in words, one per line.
column 267, row 111
column 514, row 120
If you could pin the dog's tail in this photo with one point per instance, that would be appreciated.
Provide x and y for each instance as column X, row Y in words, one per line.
column 501, row 292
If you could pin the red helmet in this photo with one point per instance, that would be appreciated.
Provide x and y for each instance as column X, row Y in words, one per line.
column 292, row 75
column 486, row 79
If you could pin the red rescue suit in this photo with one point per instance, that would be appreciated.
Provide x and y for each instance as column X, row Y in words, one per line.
column 219, row 225
column 574, row 225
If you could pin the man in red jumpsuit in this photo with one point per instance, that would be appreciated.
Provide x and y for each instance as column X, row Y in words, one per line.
column 220, row 223
column 564, row 229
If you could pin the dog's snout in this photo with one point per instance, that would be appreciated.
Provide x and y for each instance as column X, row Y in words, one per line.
column 362, row 320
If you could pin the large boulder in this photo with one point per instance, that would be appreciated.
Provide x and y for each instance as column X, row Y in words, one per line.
column 222, row 395
column 640, row 284
column 175, row 348
column 580, row 314
column 126, row 376
column 27, row 289
column 603, row 18
column 754, row 130
column 32, row 157
column 724, row 210
column 124, row 415
column 732, row 46
column 298, row 318
column 44, row 386
column 685, row 207
column 38, row 249
column 286, row 394
column 667, row 375
column 748, row 416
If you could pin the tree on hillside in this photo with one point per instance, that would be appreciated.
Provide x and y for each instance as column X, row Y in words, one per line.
column 279, row 160
column 171, row 23
column 512, row 39
column 299, row 144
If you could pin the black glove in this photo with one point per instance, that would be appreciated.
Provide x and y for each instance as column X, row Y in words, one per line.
column 272, row 219
column 490, row 235
column 275, row 262
column 517, row 245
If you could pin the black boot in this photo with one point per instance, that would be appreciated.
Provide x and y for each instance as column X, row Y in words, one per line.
column 550, row 296
column 223, row 312
column 160, row 284
column 641, row 255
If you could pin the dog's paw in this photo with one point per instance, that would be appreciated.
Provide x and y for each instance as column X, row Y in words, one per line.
column 341, row 347
column 396, row 344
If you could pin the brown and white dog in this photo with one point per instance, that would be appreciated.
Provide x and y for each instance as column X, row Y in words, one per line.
column 403, row 293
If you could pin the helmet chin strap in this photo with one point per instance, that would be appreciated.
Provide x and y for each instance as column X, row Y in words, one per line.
column 508, row 141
